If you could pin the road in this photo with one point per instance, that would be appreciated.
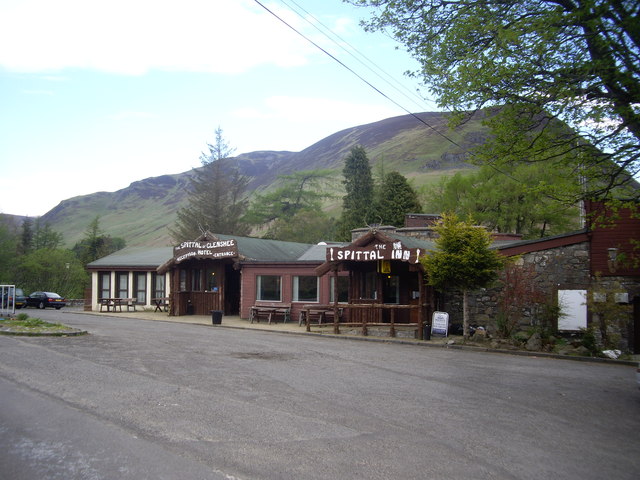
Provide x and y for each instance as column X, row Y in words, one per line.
column 138, row 399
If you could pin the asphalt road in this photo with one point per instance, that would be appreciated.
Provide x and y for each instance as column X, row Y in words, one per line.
column 140, row 399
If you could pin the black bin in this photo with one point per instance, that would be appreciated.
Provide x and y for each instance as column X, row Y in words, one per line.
column 426, row 332
column 216, row 317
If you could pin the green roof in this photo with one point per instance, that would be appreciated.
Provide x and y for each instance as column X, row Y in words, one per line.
column 142, row 257
column 249, row 249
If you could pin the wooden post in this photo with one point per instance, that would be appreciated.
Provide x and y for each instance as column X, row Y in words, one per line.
column 392, row 330
column 336, row 327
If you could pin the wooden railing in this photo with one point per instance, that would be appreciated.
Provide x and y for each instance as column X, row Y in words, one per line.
column 365, row 316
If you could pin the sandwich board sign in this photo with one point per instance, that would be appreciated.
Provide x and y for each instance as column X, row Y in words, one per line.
column 440, row 323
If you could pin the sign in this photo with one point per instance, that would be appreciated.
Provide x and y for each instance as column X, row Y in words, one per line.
column 440, row 323
column 210, row 249
column 378, row 251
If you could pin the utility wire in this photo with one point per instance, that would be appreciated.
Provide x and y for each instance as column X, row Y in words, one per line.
column 367, row 63
column 359, row 76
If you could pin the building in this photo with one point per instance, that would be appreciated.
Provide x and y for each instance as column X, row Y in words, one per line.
column 374, row 282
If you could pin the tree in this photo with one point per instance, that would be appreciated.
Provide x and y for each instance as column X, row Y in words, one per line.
column 546, row 64
column 52, row 269
column 517, row 202
column 216, row 201
column 462, row 260
column 293, row 211
column 396, row 198
column 44, row 236
column 8, row 244
column 26, row 238
column 357, row 203
column 95, row 244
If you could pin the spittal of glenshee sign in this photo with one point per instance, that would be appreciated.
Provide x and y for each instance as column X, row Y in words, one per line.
column 377, row 251
column 212, row 249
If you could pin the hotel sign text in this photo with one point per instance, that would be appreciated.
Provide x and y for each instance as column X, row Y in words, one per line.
column 206, row 249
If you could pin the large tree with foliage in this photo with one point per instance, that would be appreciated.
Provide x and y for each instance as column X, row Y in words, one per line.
column 511, row 203
column 96, row 244
column 462, row 260
column 8, row 246
column 52, row 269
column 545, row 64
column 217, row 199
column 395, row 198
column 293, row 210
column 357, row 204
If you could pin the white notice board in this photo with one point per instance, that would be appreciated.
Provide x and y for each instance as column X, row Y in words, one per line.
column 440, row 323
column 573, row 309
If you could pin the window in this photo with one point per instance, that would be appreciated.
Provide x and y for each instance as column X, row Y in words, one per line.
column 140, row 286
column 104, row 286
column 269, row 288
column 183, row 280
column 368, row 286
column 122, row 284
column 343, row 289
column 212, row 280
column 305, row 289
column 196, row 280
column 158, row 286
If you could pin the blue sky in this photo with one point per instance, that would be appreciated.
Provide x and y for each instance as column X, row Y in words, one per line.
column 97, row 94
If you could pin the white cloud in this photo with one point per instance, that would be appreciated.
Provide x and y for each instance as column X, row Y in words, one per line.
column 133, row 37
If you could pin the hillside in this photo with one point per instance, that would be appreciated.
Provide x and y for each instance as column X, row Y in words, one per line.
column 142, row 212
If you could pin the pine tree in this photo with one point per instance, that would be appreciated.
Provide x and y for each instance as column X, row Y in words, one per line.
column 357, row 209
column 396, row 198
column 463, row 260
column 217, row 201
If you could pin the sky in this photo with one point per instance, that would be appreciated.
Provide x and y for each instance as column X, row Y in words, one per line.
column 95, row 95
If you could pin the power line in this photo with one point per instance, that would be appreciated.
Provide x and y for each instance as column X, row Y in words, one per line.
column 359, row 76
column 367, row 63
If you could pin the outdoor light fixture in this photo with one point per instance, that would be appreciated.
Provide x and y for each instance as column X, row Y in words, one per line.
column 612, row 259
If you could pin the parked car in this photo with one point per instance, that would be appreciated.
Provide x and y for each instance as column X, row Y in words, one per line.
column 9, row 295
column 45, row 299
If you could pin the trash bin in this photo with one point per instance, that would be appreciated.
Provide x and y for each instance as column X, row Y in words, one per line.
column 216, row 317
column 426, row 332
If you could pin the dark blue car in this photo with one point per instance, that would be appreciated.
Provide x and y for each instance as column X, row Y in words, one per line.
column 45, row 299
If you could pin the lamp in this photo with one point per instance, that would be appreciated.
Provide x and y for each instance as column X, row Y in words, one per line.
column 612, row 259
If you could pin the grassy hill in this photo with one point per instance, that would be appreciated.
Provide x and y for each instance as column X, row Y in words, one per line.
column 142, row 212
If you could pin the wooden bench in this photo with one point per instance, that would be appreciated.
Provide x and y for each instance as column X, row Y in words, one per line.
column 271, row 312
column 318, row 315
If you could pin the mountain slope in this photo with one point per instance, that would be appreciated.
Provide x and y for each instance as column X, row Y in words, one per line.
column 142, row 212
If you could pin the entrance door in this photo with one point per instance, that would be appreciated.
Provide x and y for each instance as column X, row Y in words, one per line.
column 636, row 326
column 231, row 291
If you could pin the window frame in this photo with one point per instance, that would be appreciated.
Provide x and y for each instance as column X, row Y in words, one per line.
column 296, row 289
column 260, row 291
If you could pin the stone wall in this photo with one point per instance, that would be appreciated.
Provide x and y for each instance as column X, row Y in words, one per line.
column 558, row 268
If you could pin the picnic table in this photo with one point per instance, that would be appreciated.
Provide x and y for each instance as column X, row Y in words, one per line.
column 117, row 302
column 161, row 303
column 271, row 312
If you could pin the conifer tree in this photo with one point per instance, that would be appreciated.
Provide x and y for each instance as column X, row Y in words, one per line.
column 462, row 260
column 216, row 201
column 357, row 210
column 396, row 198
